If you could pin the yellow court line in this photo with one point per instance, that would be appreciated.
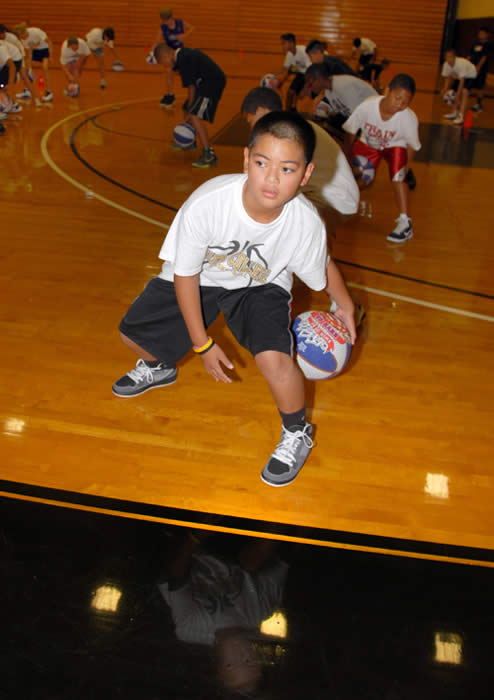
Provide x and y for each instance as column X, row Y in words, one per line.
column 429, row 304
column 79, row 185
column 251, row 533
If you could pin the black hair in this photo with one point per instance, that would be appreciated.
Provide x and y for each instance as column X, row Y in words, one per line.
column 451, row 50
column 109, row 32
column 3, row 28
column 286, row 125
column 288, row 37
column 314, row 45
column 261, row 97
column 404, row 82
column 357, row 42
column 318, row 70
column 484, row 29
column 385, row 62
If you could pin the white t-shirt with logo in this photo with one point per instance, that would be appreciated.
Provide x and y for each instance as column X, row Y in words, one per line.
column 366, row 46
column 36, row 39
column 332, row 182
column 213, row 236
column 462, row 68
column 95, row 39
column 347, row 93
column 72, row 53
column 299, row 61
column 401, row 130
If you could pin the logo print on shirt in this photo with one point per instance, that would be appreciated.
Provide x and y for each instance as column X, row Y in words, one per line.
column 376, row 137
column 246, row 261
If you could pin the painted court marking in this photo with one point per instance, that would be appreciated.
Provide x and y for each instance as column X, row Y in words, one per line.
column 160, row 224
column 79, row 185
column 429, row 304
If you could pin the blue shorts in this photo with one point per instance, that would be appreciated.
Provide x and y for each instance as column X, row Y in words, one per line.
column 39, row 55
column 98, row 51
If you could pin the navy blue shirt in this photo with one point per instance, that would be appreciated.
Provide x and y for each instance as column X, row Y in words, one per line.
column 170, row 34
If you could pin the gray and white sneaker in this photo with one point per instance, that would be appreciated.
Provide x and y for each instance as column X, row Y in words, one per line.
column 24, row 95
column 143, row 378
column 403, row 230
column 14, row 108
column 289, row 456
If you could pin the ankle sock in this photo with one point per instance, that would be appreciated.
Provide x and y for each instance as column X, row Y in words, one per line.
column 293, row 420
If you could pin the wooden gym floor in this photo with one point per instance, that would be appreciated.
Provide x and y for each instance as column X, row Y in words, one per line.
column 404, row 456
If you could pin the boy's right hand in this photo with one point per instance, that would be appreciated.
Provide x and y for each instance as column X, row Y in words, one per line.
column 213, row 360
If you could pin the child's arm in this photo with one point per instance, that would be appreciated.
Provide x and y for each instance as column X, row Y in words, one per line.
column 189, row 301
column 347, row 145
column 282, row 75
column 159, row 40
column 337, row 290
column 188, row 29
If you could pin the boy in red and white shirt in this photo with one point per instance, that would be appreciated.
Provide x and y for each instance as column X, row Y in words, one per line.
column 389, row 130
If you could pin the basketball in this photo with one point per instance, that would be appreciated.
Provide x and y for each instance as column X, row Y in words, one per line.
column 184, row 134
column 323, row 110
column 117, row 66
column 322, row 344
column 449, row 97
column 73, row 89
column 270, row 81
column 363, row 171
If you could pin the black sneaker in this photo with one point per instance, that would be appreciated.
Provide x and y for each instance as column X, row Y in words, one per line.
column 167, row 100
column 289, row 456
column 206, row 159
column 402, row 232
column 143, row 378
column 477, row 107
column 410, row 180
column 2, row 129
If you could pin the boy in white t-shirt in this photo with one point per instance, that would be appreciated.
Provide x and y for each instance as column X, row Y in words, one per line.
column 73, row 56
column 388, row 129
column 234, row 246
column 97, row 40
column 460, row 69
column 341, row 93
column 296, row 61
column 37, row 46
column 366, row 50
column 17, row 55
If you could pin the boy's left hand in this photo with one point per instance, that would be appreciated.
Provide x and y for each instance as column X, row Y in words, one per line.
column 348, row 319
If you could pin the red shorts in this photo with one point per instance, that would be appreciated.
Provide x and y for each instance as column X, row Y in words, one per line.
column 396, row 158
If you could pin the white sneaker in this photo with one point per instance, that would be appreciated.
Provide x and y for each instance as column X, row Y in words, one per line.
column 403, row 230
column 2, row 115
column 458, row 120
column 48, row 96
column 24, row 95
column 102, row 83
column 14, row 108
column 451, row 115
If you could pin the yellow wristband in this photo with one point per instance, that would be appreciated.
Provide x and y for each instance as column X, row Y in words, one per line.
column 203, row 348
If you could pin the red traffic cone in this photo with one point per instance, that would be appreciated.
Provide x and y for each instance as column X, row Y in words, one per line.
column 468, row 121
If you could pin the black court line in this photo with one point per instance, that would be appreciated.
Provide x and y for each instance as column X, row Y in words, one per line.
column 396, row 275
column 106, row 177
column 125, row 508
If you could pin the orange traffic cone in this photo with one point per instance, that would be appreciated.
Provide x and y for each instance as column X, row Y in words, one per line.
column 468, row 122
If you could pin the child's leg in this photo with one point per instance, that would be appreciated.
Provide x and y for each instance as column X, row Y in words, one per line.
column 100, row 61
column 46, row 74
column 284, row 380
column 401, row 196
column 200, row 127
column 169, row 81
column 397, row 159
column 144, row 354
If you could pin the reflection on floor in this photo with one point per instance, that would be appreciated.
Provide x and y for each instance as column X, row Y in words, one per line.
column 103, row 607
column 454, row 145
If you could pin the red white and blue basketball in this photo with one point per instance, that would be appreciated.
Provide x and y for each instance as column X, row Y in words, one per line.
column 363, row 170
column 270, row 81
column 322, row 344
column 117, row 66
column 184, row 134
column 73, row 89
column 323, row 110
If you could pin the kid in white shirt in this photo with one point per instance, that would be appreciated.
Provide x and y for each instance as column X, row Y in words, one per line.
column 297, row 61
column 38, row 47
column 388, row 129
column 460, row 69
column 73, row 57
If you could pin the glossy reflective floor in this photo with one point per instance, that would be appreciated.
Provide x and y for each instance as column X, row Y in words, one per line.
column 101, row 607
